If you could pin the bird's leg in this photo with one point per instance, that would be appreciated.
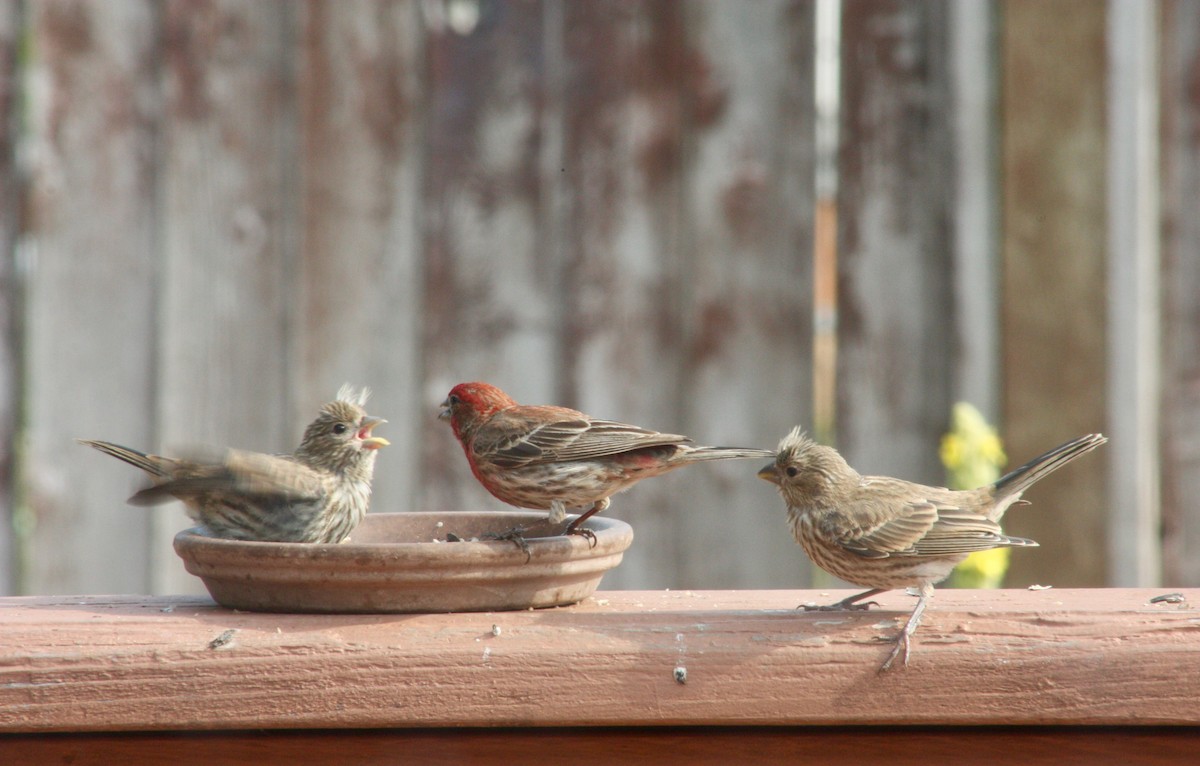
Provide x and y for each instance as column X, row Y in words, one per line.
column 904, row 640
column 558, row 511
column 574, row 527
column 516, row 536
column 848, row 604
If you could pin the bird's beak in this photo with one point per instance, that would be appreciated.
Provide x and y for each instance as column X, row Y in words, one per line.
column 444, row 412
column 768, row 473
column 364, row 433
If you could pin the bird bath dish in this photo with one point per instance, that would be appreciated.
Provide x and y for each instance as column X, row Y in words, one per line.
column 402, row 562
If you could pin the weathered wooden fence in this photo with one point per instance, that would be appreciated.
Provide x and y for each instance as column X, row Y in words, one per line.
column 212, row 214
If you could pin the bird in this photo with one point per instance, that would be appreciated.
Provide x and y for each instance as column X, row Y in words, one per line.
column 317, row 494
column 883, row 533
column 553, row 458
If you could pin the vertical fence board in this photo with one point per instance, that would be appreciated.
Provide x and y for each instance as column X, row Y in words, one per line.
column 91, row 296
column 1134, row 294
column 10, row 289
column 896, row 352
column 229, row 153
column 748, row 206
column 358, row 277
column 976, row 213
column 1053, row 338
column 1180, row 165
column 623, row 290
column 489, row 299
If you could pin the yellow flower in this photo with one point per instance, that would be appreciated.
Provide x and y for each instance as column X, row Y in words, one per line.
column 982, row 569
column 952, row 451
column 973, row 456
column 991, row 450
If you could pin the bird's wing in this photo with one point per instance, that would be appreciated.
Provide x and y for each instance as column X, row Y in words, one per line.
column 889, row 533
column 959, row 530
column 529, row 438
column 927, row 528
column 244, row 473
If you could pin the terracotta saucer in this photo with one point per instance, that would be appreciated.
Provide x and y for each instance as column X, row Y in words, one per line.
column 403, row 562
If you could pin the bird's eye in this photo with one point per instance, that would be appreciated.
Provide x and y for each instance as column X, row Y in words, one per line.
column 339, row 428
column 792, row 470
column 454, row 399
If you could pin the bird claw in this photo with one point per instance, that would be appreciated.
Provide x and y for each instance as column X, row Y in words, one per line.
column 516, row 536
column 904, row 640
column 902, row 645
column 571, row 529
column 841, row 606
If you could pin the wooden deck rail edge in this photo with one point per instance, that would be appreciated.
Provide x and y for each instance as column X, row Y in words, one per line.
column 621, row 658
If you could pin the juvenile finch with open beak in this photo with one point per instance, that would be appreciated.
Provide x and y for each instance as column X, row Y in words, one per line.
column 555, row 459
column 318, row 494
column 882, row 533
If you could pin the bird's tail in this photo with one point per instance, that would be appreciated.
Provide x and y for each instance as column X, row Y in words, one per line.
column 700, row 454
column 1013, row 483
column 151, row 464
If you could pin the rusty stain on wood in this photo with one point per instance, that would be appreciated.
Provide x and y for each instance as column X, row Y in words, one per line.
column 89, row 293
column 188, row 40
column 489, row 299
column 359, row 270
column 748, row 233
column 621, row 282
column 895, row 346
column 228, row 225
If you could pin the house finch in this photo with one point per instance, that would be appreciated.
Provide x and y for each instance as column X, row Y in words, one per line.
column 318, row 494
column 554, row 458
column 883, row 533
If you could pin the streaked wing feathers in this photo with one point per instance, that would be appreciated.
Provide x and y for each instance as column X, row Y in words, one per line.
column 896, row 535
column 931, row 529
column 566, row 440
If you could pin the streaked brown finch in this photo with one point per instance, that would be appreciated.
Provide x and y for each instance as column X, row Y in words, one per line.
column 317, row 494
column 882, row 533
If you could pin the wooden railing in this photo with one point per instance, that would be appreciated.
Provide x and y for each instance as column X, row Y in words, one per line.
column 636, row 673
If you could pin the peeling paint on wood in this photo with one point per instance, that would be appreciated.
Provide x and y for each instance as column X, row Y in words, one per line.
column 895, row 302
column 358, row 268
column 90, row 294
column 747, row 253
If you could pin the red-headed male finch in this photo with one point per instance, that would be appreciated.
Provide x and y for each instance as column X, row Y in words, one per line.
column 555, row 459
column 882, row 533
column 318, row 494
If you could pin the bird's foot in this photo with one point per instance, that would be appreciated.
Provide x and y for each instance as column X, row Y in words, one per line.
column 516, row 536
column 903, row 644
column 853, row 603
column 904, row 640
column 572, row 529
column 841, row 606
